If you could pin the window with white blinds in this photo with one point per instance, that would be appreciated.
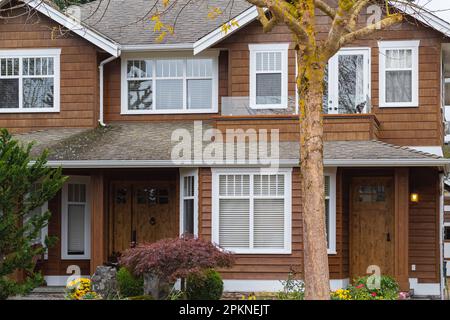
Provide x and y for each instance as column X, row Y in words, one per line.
column 29, row 80
column 399, row 70
column 169, row 85
column 252, row 212
column 76, row 219
column 268, row 75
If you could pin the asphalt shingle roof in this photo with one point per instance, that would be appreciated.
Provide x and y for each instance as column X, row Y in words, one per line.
column 128, row 22
column 153, row 141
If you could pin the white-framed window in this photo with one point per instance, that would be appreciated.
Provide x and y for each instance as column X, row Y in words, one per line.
column 29, row 80
column 269, row 76
column 40, row 239
column 399, row 73
column 76, row 219
column 172, row 84
column 330, row 208
column 252, row 210
column 189, row 201
column 347, row 82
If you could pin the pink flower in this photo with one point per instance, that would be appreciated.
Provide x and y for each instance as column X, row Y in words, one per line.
column 359, row 286
column 374, row 294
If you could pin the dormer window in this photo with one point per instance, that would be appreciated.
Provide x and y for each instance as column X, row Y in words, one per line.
column 29, row 80
column 169, row 85
column 268, row 76
column 399, row 73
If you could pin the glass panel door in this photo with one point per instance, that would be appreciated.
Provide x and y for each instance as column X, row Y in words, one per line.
column 348, row 82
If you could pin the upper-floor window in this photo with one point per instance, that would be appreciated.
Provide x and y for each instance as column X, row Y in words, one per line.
column 347, row 82
column 399, row 73
column 29, row 80
column 169, row 85
column 268, row 75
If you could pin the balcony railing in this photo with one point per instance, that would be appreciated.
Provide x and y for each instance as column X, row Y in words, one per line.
column 240, row 106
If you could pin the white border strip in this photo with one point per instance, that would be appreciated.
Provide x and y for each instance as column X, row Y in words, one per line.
column 270, row 285
column 424, row 289
column 58, row 281
column 282, row 163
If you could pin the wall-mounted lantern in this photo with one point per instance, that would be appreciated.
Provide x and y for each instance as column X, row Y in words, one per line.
column 414, row 197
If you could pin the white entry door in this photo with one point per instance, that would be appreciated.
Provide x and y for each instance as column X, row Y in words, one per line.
column 347, row 80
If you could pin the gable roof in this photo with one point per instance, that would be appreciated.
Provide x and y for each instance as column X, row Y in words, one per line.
column 129, row 22
column 73, row 25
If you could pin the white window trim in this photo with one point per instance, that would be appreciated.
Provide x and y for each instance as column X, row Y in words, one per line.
column 333, row 75
column 35, row 53
column 287, row 172
column 87, row 220
column 331, row 172
column 269, row 47
column 186, row 172
column 386, row 45
column 213, row 54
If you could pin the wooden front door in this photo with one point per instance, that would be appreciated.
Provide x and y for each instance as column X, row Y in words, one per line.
column 371, row 225
column 141, row 212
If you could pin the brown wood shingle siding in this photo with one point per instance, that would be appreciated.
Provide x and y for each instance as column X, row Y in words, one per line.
column 402, row 126
column 423, row 229
column 79, row 76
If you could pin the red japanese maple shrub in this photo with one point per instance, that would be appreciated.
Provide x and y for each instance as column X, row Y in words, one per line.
column 170, row 259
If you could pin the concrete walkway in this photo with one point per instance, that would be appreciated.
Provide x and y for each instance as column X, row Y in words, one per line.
column 43, row 293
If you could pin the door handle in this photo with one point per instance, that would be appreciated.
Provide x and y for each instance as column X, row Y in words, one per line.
column 133, row 239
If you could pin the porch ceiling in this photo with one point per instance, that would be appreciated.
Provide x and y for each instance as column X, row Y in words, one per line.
column 151, row 142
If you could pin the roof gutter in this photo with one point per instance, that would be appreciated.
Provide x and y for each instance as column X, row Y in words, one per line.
column 282, row 163
column 101, row 93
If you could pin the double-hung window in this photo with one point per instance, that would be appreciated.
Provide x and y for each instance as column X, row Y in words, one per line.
column 169, row 85
column 330, row 208
column 75, row 222
column 269, row 76
column 252, row 211
column 189, row 202
column 399, row 73
column 29, row 80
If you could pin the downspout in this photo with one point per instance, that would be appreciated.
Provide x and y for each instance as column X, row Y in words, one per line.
column 100, row 69
column 441, row 235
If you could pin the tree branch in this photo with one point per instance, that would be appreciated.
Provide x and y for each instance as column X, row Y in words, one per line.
column 383, row 24
column 283, row 11
column 325, row 8
column 357, row 7
column 266, row 23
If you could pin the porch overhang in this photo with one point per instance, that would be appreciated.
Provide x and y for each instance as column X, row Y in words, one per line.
column 153, row 145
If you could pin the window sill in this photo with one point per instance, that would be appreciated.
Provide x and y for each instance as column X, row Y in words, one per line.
column 332, row 252
column 150, row 112
column 31, row 110
column 259, row 252
column 400, row 105
column 75, row 257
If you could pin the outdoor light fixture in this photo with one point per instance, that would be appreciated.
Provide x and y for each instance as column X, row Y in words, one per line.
column 414, row 197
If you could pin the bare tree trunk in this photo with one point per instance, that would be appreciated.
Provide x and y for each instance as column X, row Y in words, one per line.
column 310, row 84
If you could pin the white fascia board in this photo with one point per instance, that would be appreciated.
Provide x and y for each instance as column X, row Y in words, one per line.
column 75, row 26
column 282, row 163
column 217, row 35
column 423, row 16
column 386, row 162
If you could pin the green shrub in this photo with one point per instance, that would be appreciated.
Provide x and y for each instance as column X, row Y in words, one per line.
column 129, row 285
column 206, row 285
column 293, row 289
column 362, row 289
